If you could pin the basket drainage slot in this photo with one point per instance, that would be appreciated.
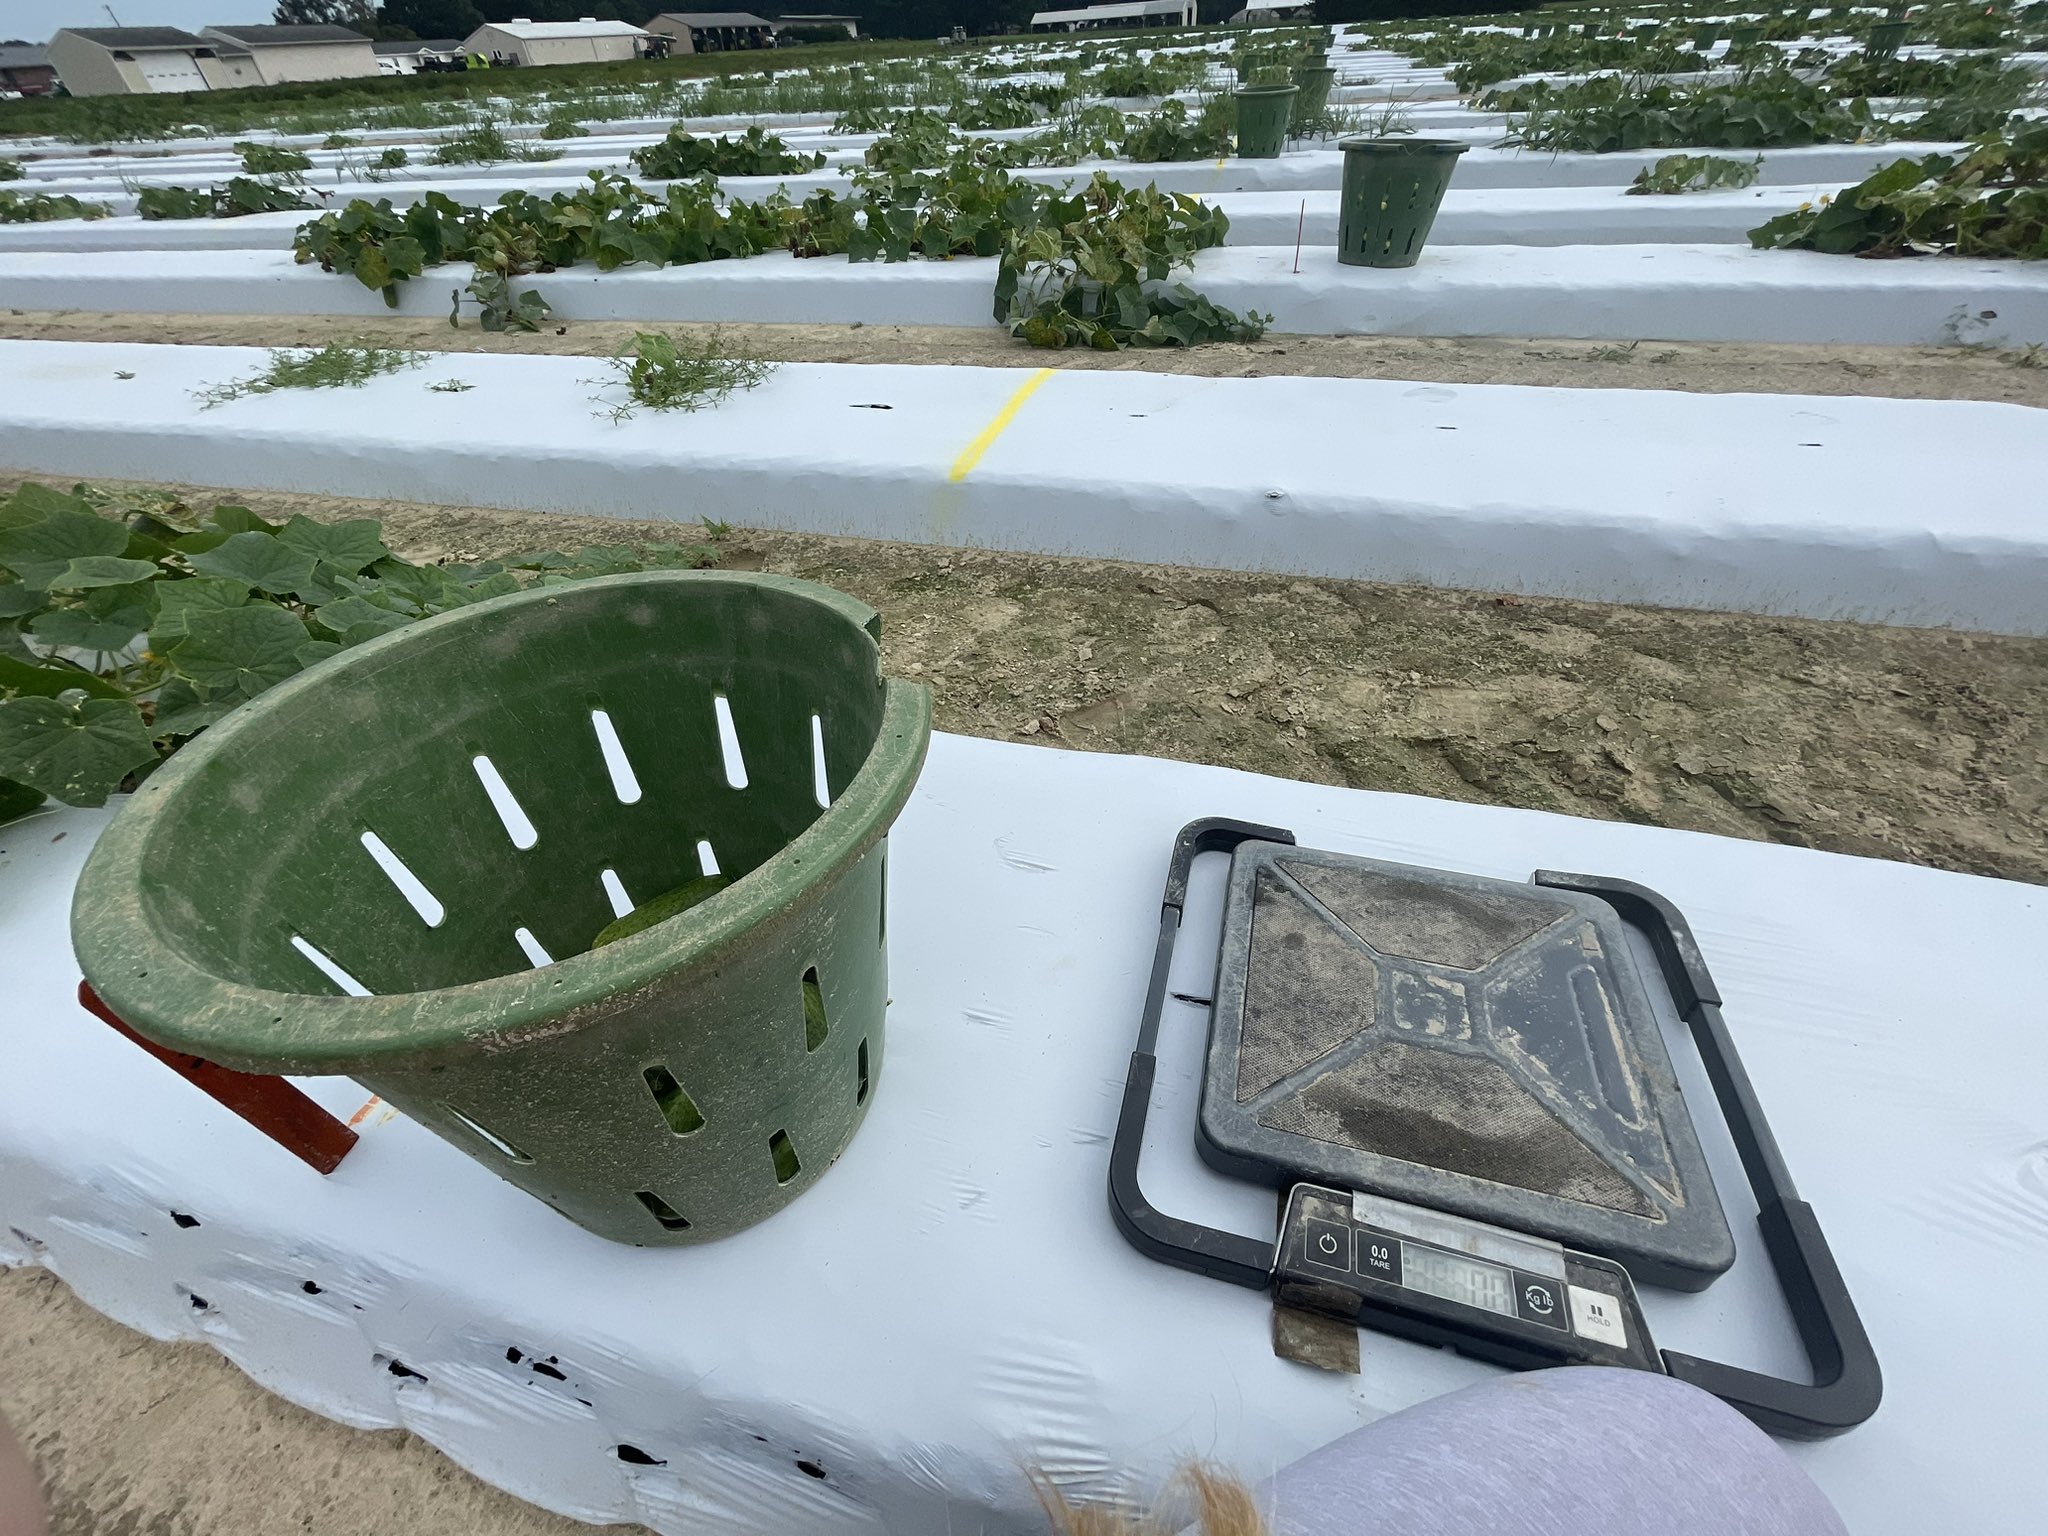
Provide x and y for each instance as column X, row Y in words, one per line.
column 329, row 969
column 677, row 1107
column 860, row 1062
column 410, row 886
column 816, row 1025
column 518, row 825
column 729, row 742
column 821, row 786
column 786, row 1165
column 498, row 1142
column 625, row 782
column 536, row 952
column 707, row 860
column 670, row 1218
column 615, row 892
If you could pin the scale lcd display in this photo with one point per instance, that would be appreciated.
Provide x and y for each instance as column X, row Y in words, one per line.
column 1457, row 1278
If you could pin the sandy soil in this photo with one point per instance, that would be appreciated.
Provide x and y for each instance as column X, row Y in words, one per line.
column 1930, row 373
column 137, row 1438
column 1924, row 745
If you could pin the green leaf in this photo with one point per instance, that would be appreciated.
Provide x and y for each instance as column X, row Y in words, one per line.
column 177, row 601
column 18, row 600
column 260, row 561
column 347, row 546
column 32, row 503
column 17, row 800
column 143, row 546
column 74, row 748
column 101, row 571
column 315, row 651
column 372, row 268
column 180, row 711
column 40, row 550
column 199, row 543
column 240, row 652
column 80, row 629
column 358, row 613
column 47, row 679
column 500, row 584
column 230, row 518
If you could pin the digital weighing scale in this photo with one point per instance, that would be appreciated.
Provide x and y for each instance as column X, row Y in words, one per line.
column 1460, row 1088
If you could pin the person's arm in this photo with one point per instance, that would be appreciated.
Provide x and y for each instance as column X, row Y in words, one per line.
column 21, row 1491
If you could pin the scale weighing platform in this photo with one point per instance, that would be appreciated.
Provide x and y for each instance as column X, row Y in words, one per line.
column 1460, row 1090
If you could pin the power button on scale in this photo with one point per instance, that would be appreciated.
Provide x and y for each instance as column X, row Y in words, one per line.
column 1328, row 1245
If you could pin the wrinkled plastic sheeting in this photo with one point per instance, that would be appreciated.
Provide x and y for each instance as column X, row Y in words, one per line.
column 952, row 1305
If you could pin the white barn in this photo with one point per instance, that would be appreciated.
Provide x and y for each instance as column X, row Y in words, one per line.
column 1125, row 13
column 588, row 41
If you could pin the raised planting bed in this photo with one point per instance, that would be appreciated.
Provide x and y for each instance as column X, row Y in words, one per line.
column 1482, row 216
column 1597, row 292
column 1826, row 508
column 823, row 1373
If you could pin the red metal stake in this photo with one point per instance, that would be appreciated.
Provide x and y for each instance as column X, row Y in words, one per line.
column 271, row 1104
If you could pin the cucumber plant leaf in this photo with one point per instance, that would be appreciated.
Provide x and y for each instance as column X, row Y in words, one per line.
column 17, row 800
column 18, row 600
column 181, row 711
column 239, row 652
column 258, row 560
column 356, row 619
column 229, row 518
column 47, row 679
column 38, row 551
column 73, row 747
column 177, row 601
column 101, row 571
column 81, row 629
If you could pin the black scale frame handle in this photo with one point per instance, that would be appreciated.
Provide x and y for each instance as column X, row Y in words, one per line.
column 1847, row 1384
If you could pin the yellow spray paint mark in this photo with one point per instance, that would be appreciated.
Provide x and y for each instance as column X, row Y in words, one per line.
column 985, row 439
column 1222, row 163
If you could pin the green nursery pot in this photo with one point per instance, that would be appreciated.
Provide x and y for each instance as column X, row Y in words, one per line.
column 1314, row 81
column 1392, row 190
column 1263, row 114
column 673, row 1086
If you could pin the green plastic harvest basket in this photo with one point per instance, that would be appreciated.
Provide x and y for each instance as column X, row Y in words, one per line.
column 446, row 817
column 1391, row 192
column 1263, row 114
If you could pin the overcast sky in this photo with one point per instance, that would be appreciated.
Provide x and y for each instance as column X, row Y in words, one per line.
column 37, row 19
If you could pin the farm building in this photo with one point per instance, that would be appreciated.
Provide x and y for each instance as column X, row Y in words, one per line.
column 587, row 41
column 281, row 55
column 134, row 61
column 1130, row 13
column 714, row 31
column 26, row 71
column 410, row 56
column 1257, row 13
